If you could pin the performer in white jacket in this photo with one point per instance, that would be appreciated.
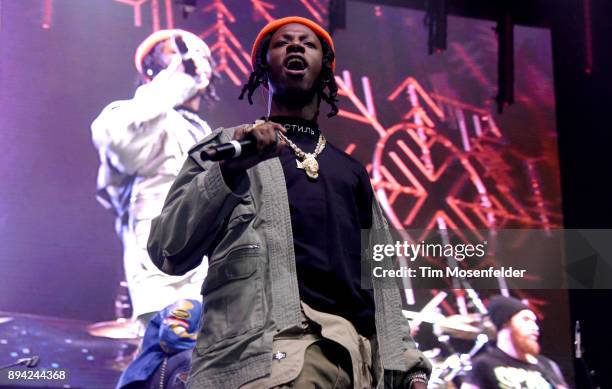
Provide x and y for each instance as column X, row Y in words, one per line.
column 142, row 144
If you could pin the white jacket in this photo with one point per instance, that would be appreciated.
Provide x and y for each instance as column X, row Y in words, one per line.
column 142, row 144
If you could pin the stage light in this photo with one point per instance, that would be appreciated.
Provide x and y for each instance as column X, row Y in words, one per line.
column 436, row 20
column 337, row 15
column 505, row 64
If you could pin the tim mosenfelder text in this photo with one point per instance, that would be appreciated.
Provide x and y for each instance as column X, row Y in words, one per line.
column 448, row 251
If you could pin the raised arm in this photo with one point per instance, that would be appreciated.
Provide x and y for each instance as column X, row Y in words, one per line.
column 128, row 131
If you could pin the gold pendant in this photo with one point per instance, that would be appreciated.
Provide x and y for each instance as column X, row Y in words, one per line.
column 310, row 166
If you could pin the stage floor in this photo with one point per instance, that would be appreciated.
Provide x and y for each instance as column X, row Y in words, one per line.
column 91, row 362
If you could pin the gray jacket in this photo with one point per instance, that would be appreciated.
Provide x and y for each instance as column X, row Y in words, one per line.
column 251, row 291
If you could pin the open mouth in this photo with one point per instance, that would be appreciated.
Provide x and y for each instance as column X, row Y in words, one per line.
column 295, row 65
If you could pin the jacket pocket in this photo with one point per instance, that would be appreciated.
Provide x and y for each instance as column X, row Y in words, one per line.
column 232, row 298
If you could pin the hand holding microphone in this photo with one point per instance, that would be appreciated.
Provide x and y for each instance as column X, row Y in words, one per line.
column 194, row 62
column 188, row 64
column 249, row 146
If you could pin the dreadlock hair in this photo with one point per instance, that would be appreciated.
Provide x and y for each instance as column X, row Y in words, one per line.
column 326, row 79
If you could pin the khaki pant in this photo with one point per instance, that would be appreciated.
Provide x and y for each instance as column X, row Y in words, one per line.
column 326, row 352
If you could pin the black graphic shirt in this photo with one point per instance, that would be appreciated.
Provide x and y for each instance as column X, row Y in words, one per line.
column 327, row 215
column 495, row 369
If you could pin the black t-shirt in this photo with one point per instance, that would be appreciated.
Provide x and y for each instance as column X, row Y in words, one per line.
column 496, row 369
column 327, row 215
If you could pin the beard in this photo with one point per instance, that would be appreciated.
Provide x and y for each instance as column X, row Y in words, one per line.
column 525, row 344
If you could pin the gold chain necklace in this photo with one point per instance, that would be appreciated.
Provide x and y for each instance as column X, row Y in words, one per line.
column 306, row 161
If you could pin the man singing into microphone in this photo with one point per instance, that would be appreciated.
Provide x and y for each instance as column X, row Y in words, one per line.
column 283, row 304
column 142, row 144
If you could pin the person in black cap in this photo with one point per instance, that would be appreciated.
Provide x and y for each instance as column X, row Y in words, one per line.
column 515, row 360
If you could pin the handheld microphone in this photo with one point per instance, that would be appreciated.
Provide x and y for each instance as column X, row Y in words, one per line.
column 231, row 150
column 188, row 64
column 577, row 341
column 29, row 362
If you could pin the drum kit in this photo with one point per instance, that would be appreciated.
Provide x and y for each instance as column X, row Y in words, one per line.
column 121, row 328
column 449, row 365
column 458, row 338
column 124, row 327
